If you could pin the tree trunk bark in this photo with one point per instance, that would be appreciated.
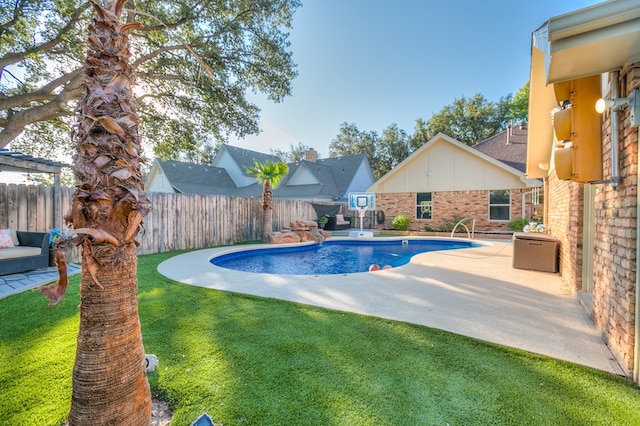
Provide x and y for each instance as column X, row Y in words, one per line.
column 267, row 211
column 109, row 379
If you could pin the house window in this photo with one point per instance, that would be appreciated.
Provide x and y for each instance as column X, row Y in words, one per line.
column 423, row 205
column 500, row 205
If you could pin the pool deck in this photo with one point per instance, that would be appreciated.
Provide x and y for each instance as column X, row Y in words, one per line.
column 474, row 292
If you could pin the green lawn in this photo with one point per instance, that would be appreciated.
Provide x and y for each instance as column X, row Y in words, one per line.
column 252, row 361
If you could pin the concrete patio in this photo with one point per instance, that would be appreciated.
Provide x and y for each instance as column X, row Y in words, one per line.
column 473, row 292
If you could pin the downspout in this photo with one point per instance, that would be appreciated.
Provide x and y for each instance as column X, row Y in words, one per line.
column 615, row 163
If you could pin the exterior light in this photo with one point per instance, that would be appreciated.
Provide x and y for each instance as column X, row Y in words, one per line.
column 632, row 101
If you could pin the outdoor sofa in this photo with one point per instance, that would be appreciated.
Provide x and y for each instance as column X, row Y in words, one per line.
column 338, row 222
column 32, row 252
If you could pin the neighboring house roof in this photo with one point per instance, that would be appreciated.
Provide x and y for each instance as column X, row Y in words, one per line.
column 324, row 179
column 510, row 146
column 246, row 158
column 446, row 164
column 188, row 178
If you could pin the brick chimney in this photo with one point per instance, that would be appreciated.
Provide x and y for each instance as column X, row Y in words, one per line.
column 311, row 155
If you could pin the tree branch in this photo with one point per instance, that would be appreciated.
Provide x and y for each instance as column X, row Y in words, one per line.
column 19, row 5
column 14, row 57
column 44, row 93
column 18, row 120
column 166, row 77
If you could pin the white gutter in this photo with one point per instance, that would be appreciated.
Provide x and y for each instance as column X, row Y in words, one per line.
column 610, row 28
column 592, row 18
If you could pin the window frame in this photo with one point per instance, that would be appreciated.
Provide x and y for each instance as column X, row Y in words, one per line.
column 491, row 205
column 424, row 206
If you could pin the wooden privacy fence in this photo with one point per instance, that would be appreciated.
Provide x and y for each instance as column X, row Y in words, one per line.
column 175, row 222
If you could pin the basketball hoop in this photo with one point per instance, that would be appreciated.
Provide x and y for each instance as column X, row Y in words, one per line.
column 362, row 202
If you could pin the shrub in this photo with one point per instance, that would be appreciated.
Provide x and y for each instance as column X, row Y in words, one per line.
column 518, row 224
column 448, row 224
column 400, row 223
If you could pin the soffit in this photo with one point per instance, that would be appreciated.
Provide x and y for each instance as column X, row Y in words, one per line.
column 592, row 40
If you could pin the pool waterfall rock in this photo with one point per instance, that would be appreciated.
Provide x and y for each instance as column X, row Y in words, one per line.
column 300, row 231
column 283, row 237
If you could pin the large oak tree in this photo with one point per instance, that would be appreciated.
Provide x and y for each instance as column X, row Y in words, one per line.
column 195, row 61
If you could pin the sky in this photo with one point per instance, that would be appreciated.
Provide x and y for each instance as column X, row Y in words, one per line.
column 378, row 62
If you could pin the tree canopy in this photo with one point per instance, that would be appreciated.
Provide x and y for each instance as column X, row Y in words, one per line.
column 295, row 153
column 470, row 120
column 194, row 61
column 383, row 152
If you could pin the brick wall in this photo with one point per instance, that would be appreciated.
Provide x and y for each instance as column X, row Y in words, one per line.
column 614, row 263
column 449, row 205
column 564, row 220
column 616, row 228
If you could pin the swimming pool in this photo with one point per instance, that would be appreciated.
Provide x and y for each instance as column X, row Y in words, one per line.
column 333, row 256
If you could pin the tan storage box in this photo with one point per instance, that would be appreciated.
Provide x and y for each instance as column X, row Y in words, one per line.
column 535, row 252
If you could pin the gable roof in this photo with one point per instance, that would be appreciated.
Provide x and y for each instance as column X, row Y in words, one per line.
column 510, row 146
column 441, row 137
column 334, row 175
column 188, row 178
column 344, row 169
column 245, row 157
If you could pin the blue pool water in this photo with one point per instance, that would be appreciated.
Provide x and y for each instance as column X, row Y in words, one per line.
column 332, row 257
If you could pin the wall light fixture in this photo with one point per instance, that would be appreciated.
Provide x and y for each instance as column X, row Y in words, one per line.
column 632, row 101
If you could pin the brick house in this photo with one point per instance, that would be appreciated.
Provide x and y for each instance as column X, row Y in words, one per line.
column 590, row 171
column 445, row 180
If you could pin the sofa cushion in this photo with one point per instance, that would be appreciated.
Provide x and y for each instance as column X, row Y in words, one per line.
column 5, row 239
column 20, row 251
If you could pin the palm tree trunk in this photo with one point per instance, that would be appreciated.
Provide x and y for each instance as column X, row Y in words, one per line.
column 109, row 379
column 267, row 211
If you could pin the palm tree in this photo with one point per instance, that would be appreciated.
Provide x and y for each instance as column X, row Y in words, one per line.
column 268, row 175
column 109, row 380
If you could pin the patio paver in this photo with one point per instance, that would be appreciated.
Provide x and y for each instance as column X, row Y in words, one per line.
column 16, row 283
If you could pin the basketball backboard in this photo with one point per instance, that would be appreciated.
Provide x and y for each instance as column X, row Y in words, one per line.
column 364, row 201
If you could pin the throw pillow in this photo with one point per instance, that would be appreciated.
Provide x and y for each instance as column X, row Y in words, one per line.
column 5, row 238
column 339, row 218
column 14, row 237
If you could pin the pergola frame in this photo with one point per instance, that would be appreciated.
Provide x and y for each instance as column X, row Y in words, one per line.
column 12, row 161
